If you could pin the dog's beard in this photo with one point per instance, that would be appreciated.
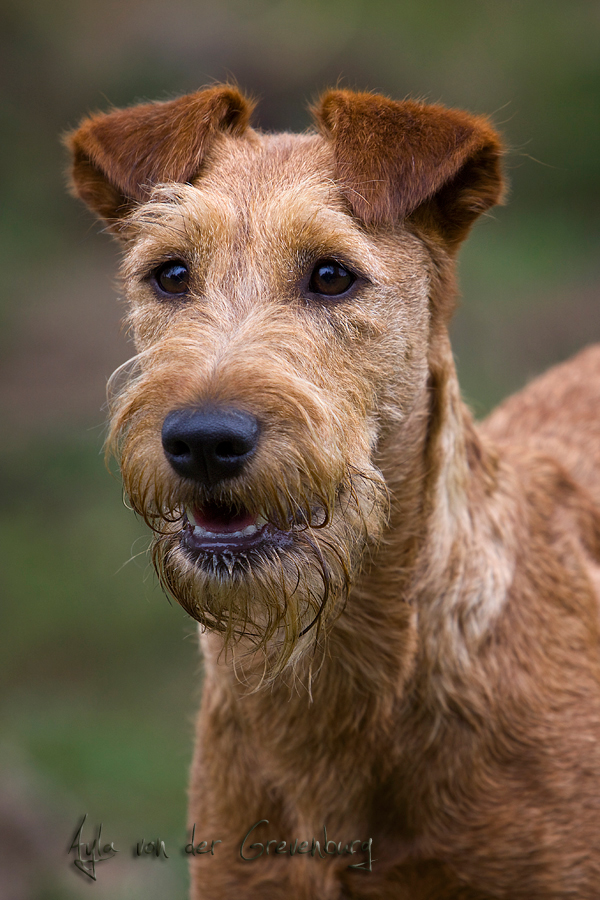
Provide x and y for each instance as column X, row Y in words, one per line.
column 266, row 558
column 279, row 595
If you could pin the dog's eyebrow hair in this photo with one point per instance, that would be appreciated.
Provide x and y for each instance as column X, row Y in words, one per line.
column 311, row 226
column 319, row 226
column 187, row 203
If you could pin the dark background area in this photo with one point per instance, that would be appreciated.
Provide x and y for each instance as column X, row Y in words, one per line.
column 100, row 675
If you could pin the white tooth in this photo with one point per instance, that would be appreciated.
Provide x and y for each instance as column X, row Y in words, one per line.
column 201, row 531
column 189, row 511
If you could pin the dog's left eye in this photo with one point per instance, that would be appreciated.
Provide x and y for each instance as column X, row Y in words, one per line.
column 172, row 277
column 330, row 279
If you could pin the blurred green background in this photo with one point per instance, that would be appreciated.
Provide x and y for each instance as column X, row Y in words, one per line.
column 100, row 675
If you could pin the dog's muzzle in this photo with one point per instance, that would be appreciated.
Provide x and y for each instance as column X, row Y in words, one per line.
column 210, row 446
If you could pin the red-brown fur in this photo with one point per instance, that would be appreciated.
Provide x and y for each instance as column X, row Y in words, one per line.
column 447, row 704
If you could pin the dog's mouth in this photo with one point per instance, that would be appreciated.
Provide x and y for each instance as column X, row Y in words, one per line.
column 216, row 528
column 216, row 525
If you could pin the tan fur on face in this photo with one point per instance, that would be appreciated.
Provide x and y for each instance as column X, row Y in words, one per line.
column 429, row 627
column 235, row 344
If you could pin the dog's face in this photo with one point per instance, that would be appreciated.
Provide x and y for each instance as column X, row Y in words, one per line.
column 265, row 321
column 281, row 307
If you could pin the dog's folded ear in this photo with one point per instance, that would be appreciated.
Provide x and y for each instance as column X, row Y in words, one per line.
column 393, row 158
column 119, row 156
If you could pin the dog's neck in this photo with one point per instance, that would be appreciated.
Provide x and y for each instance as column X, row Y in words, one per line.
column 444, row 566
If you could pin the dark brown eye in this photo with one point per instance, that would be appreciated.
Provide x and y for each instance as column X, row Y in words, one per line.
column 172, row 277
column 330, row 279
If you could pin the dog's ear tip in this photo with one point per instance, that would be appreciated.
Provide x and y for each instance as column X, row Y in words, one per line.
column 333, row 97
column 234, row 106
column 335, row 103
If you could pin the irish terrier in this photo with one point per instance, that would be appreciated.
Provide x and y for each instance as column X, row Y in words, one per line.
column 398, row 609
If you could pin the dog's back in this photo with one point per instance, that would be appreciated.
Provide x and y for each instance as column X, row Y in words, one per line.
column 558, row 415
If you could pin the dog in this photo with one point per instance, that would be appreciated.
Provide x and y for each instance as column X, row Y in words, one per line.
column 398, row 609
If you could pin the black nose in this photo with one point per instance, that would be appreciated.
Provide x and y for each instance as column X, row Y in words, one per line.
column 209, row 445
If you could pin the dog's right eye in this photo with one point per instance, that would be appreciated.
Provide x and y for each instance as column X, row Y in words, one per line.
column 330, row 278
column 172, row 277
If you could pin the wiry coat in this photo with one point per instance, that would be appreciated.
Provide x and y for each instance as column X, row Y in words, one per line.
column 418, row 664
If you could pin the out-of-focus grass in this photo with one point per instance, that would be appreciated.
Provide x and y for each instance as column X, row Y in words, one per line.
column 529, row 287
column 101, row 675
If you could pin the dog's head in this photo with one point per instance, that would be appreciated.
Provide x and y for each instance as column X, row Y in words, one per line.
column 284, row 290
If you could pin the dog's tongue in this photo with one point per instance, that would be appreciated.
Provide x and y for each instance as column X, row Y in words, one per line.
column 222, row 519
